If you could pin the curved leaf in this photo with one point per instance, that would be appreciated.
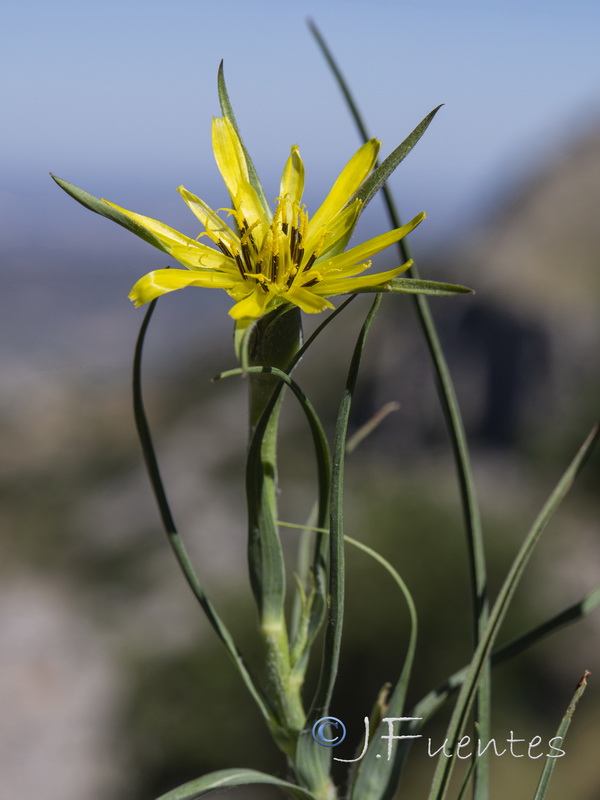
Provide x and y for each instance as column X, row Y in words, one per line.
column 227, row 778
column 175, row 540
column 376, row 777
column 109, row 211
column 443, row 773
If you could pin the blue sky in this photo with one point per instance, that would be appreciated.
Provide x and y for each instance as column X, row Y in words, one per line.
column 117, row 97
column 120, row 93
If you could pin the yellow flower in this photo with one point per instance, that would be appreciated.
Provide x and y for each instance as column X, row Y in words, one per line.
column 264, row 259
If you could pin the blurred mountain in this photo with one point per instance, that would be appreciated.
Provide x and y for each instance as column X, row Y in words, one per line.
column 90, row 597
column 540, row 252
column 523, row 349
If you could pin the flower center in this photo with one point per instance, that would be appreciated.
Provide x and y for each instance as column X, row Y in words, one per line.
column 275, row 262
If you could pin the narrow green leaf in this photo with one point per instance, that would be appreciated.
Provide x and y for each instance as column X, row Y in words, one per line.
column 571, row 614
column 376, row 778
column 467, row 693
column 428, row 705
column 550, row 762
column 304, row 576
column 242, row 335
column 342, row 83
column 272, row 342
column 106, row 210
column 318, row 565
column 456, row 431
column 321, row 548
column 312, row 763
column 381, row 173
column 434, row 700
column 316, row 428
column 468, row 777
column 312, row 760
column 228, row 778
column 331, row 650
column 416, row 286
column 175, row 540
column 376, row 773
column 227, row 110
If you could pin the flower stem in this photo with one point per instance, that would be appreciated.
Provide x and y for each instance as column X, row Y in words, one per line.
column 272, row 342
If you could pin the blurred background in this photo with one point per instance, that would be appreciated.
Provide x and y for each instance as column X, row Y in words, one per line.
column 111, row 685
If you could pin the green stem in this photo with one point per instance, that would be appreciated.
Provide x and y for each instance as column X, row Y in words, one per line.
column 272, row 342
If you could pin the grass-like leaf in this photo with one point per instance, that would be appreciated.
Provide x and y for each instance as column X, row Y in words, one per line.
column 227, row 778
column 316, row 428
column 382, row 172
column 456, row 431
column 254, row 473
column 312, row 760
column 175, row 540
column 550, row 762
column 376, row 777
column 428, row 705
column 416, row 286
column 434, row 700
column 467, row 693
column 336, row 541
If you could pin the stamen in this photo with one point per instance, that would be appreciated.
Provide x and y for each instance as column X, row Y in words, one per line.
column 212, row 236
column 274, row 266
column 310, row 262
column 247, row 256
column 247, row 231
column 294, row 239
column 223, row 248
column 275, row 241
column 300, row 233
column 312, row 282
column 261, row 280
column 247, row 240
column 264, row 257
column 291, row 275
column 240, row 264
column 303, row 220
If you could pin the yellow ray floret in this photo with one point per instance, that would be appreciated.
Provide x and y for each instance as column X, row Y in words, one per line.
column 262, row 258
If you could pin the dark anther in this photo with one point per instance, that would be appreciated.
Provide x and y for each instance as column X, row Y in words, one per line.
column 310, row 283
column 240, row 265
column 224, row 249
column 247, row 256
column 310, row 262
column 293, row 243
